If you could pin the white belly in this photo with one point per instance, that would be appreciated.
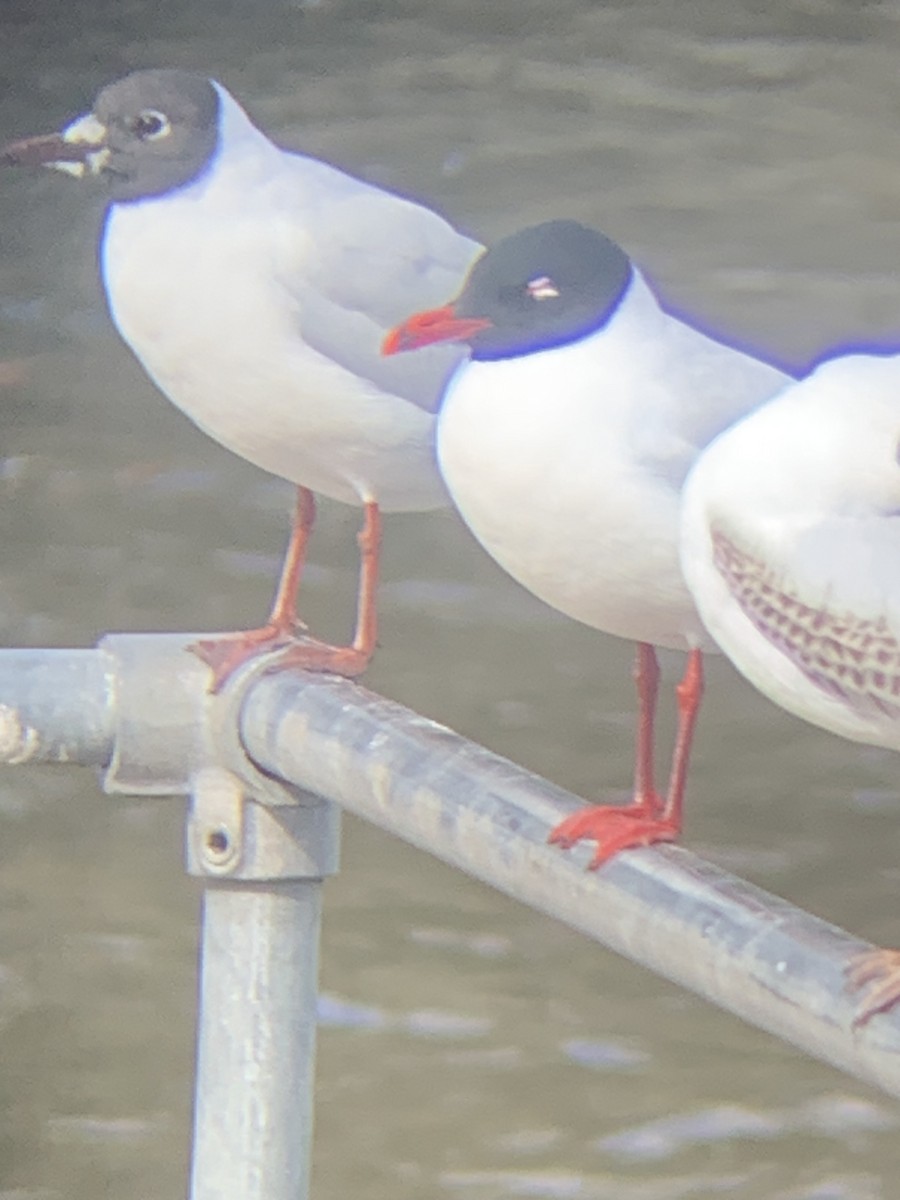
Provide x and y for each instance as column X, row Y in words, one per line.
column 544, row 490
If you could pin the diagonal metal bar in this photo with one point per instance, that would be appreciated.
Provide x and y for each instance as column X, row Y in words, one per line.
column 749, row 952
column 139, row 704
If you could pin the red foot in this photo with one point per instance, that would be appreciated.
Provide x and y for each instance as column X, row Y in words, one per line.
column 881, row 968
column 616, row 827
column 310, row 655
column 225, row 653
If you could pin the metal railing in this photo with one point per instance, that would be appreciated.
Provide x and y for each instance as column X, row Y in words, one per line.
column 267, row 766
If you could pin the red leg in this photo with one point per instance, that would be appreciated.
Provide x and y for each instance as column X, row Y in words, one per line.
column 647, row 819
column 881, row 969
column 646, row 678
column 351, row 660
column 608, row 823
column 689, row 694
column 225, row 653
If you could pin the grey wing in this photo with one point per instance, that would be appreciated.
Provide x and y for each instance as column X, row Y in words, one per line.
column 377, row 258
column 703, row 387
column 726, row 385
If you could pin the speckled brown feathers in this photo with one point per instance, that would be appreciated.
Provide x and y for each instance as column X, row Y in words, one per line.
column 849, row 657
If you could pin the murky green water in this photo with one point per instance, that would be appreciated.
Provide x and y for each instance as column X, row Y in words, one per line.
column 747, row 154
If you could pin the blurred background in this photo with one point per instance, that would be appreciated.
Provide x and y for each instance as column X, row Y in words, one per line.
column 747, row 154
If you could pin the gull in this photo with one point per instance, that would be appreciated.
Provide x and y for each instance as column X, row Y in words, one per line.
column 564, row 441
column 255, row 285
column 790, row 545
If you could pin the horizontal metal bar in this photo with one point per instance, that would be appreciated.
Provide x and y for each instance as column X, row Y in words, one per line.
column 761, row 958
column 57, row 706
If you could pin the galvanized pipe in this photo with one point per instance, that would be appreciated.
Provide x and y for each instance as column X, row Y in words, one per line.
column 259, row 966
column 57, row 706
column 751, row 953
column 748, row 952
column 254, row 1091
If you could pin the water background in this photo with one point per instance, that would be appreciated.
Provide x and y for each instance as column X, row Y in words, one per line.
column 747, row 156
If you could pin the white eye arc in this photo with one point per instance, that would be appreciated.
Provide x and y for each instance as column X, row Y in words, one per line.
column 542, row 288
column 150, row 125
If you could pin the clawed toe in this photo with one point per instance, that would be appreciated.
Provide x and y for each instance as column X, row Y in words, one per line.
column 880, row 969
column 616, row 828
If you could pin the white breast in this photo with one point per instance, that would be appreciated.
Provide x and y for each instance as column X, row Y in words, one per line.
column 567, row 464
column 197, row 286
column 545, row 480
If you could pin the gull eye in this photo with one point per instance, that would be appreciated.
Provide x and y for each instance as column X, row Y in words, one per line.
column 150, row 125
column 542, row 288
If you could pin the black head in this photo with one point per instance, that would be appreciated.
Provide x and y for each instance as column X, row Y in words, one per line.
column 161, row 130
column 545, row 286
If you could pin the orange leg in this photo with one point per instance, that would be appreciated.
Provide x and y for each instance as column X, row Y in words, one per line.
column 284, row 618
column 225, row 653
column 351, row 660
column 646, row 678
column 647, row 819
column 284, row 629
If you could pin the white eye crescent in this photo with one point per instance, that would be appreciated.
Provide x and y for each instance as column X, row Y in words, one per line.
column 150, row 125
column 542, row 288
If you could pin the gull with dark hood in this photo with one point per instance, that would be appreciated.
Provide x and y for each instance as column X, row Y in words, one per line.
column 255, row 286
column 565, row 440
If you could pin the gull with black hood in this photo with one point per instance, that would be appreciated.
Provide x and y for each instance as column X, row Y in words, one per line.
column 564, row 442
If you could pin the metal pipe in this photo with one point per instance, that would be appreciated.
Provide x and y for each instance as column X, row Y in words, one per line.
column 140, row 705
column 57, row 706
column 749, row 952
column 256, row 1040
column 259, row 964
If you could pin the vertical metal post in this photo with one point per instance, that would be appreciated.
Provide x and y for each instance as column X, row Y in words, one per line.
column 253, row 1112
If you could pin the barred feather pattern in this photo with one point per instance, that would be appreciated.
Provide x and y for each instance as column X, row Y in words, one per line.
column 851, row 658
